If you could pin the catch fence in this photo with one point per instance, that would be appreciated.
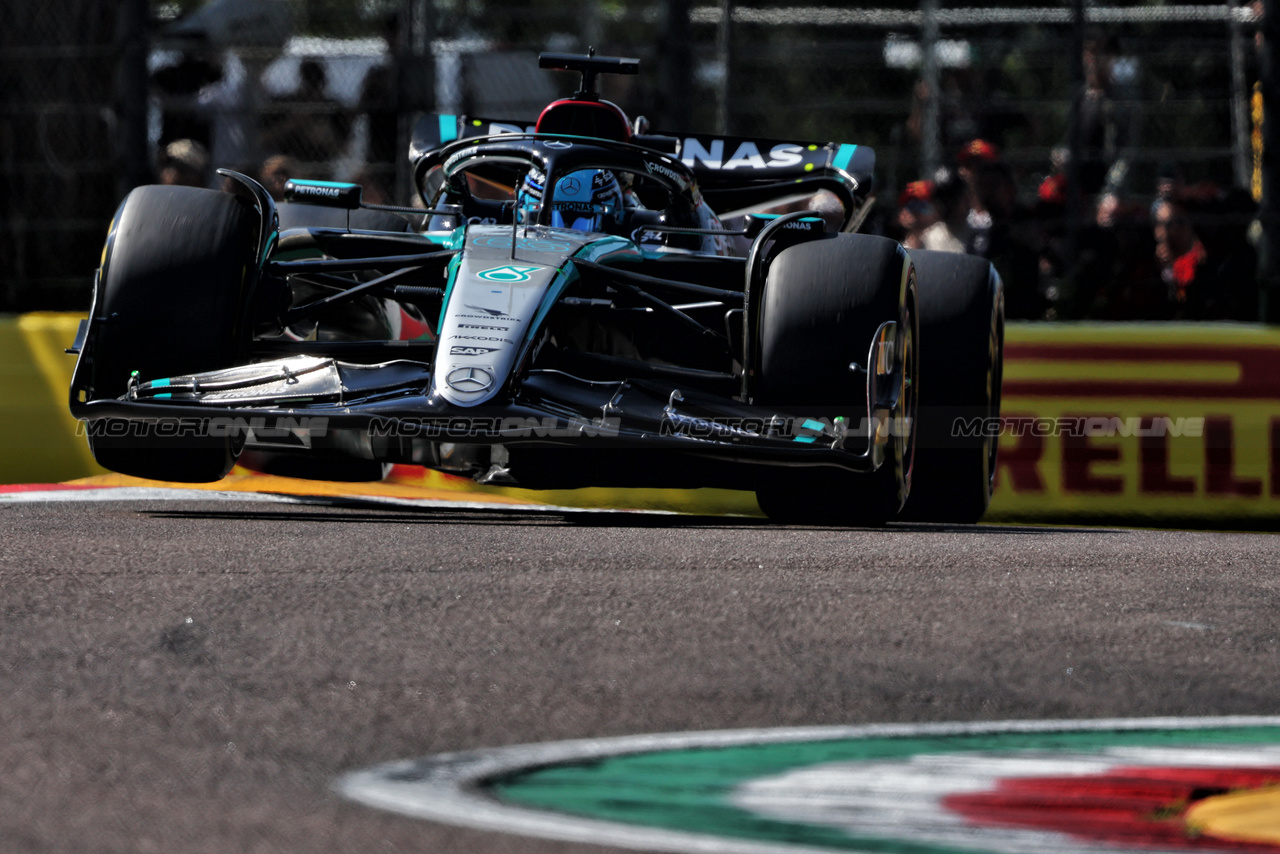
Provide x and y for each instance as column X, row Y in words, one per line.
column 100, row 90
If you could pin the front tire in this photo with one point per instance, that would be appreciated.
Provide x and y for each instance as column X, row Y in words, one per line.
column 823, row 303
column 177, row 269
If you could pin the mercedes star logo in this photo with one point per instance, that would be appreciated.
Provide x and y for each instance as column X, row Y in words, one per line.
column 558, row 143
column 469, row 379
column 570, row 186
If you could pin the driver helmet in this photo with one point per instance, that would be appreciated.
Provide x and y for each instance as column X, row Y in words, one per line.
column 586, row 200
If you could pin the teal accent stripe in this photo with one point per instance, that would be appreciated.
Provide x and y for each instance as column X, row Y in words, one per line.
column 805, row 439
column 455, row 263
column 810, row 424
column 266, row 249
column 843, row 156
column 159, row 383
column 307, row 182
column 448, row 128
column 166, row 394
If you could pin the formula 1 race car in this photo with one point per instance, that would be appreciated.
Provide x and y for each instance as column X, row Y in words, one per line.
column 580, row 302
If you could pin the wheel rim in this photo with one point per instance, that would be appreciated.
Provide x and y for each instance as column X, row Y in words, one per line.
column 995, row 381
column 905, row 436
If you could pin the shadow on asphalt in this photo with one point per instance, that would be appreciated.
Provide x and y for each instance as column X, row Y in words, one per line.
column 356, row 511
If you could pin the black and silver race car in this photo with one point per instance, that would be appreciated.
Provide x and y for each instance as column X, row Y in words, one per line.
column 579, row 303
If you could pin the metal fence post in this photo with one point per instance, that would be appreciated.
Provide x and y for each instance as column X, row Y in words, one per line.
column 676, row 52
column 1269, row 246
column 724, row 54
column 133, row 164
column 1075, row 196
column 1239, row 100
column 930, row 154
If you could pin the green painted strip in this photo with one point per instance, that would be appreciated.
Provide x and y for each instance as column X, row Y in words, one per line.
column 690, row 790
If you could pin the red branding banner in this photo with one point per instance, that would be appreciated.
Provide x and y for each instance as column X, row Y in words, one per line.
column 1173, row 420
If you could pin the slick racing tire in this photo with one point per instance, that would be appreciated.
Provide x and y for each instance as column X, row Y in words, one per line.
column 177, row 268
column 823, row 302
column 961, row 365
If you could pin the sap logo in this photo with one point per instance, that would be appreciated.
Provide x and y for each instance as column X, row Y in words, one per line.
column 470, row 351
column 747, row 154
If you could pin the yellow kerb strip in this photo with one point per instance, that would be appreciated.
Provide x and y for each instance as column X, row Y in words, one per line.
column 1244, row 816
column 1102, row 369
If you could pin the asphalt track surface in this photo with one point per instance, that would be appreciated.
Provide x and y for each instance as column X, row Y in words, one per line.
column 192, row 675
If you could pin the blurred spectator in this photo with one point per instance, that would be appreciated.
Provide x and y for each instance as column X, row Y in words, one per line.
column 375, row 191
column 974, row 154
column 176, row 87
column 1008, row 237
column 916, row 213
column 951, row 233
column 971, row 105
column 1117, row 276
column 1207, row 260
column 275, row 173
column 1053, row 190
column 1170, row 185
column 1106, row 124
column 231, row 122
column 185, row 162
column 376, row 130
column 1184, row 263
column 307, row 125
column 957, row 109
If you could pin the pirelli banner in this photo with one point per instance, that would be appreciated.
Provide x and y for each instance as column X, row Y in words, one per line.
column 1165, row 421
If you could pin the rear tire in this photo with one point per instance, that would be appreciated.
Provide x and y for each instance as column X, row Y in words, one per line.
column 823, row 303
column 962, row 321
column 177, row 269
